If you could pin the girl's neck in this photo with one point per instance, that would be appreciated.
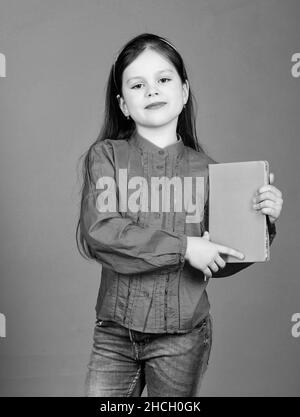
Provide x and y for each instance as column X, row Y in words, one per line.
column 161, row 136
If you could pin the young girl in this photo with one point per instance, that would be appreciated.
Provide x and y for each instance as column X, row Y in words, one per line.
column 153, row 323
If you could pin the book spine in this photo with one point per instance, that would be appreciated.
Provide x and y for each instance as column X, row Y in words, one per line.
column 267, row 241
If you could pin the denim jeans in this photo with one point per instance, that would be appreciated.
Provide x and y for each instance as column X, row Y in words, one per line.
column 123, row 361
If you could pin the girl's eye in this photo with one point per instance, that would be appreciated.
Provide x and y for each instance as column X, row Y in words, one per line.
column 168, row 79
column 136, row 86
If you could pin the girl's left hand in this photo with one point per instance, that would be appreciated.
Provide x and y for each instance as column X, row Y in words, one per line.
column 269, row 200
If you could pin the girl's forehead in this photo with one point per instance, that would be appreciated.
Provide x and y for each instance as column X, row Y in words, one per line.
column 146, row 62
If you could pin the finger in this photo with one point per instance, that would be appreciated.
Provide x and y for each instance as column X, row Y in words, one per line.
column 269, row 211
column 220, row 261
column 207, row 272
column 272, row 211
column 230, row 251
column 265, row 203
column 206, row 235
column 271, row 178
column 269, row 188
column 267, row 195
column 213, row 266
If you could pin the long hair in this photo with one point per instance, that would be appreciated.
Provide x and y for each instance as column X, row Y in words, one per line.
column 117, row 126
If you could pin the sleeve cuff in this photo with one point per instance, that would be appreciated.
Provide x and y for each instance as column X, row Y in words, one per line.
column 271, row 230
column 183, row 250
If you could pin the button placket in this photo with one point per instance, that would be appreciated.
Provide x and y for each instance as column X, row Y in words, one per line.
column 132, row 292
column 179, row 225
column 166, row 300
column 145, row 165
column 158, row 164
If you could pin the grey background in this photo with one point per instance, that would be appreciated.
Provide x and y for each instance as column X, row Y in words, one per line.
column 238, row 56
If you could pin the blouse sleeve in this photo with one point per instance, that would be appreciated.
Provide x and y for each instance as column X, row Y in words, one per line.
column 117, row 242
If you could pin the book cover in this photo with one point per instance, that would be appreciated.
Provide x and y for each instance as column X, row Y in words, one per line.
column 233, row 221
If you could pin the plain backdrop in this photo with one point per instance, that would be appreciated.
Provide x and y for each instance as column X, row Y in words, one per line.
column 58, row 56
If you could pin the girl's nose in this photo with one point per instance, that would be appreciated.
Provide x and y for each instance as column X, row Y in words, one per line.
column 152, row 91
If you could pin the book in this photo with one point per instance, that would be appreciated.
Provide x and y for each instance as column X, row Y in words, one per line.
column 232, row 220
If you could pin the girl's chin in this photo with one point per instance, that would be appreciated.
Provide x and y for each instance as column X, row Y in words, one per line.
column 156, row 121
column 153, row 124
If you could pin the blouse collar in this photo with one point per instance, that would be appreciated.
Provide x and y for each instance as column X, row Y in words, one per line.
column 145, row 145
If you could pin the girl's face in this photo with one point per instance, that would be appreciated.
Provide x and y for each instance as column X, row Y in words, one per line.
column 149, row 79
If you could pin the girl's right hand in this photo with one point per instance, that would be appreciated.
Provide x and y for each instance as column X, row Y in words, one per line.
column 205, row 255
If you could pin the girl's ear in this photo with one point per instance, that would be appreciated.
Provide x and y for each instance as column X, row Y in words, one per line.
column 122, row 105
column 185, row 91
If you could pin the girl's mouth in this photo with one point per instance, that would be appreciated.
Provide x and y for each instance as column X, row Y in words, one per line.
column 155, row 106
